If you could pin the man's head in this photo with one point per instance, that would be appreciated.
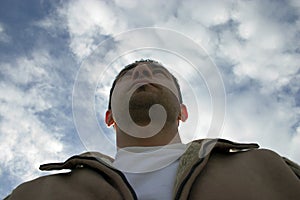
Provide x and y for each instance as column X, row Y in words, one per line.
column 143, row 84
column 131, row 66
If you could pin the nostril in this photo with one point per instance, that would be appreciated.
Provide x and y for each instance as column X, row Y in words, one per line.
column 136, row 75
column 142, row 71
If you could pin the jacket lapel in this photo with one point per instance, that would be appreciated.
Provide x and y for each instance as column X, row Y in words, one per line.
column 195, row 158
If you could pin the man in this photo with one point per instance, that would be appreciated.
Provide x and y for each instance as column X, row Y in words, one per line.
column 152, row 163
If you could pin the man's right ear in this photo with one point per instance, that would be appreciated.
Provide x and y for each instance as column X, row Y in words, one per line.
column 109, row 118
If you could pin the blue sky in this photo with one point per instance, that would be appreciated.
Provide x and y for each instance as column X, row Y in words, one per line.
column 44, row 44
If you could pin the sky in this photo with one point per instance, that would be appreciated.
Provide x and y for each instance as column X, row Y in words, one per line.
column 58, row 60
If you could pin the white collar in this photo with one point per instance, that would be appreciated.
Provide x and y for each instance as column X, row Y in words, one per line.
column 147, row 159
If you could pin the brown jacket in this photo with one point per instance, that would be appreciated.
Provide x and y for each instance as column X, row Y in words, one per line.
column 209, row 169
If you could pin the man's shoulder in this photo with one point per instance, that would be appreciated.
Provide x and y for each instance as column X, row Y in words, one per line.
column 76, row 184
column 242, row 169
column 85, row 177
column 223, row 150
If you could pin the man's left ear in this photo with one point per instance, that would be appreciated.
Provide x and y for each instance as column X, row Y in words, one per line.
column 183, row 113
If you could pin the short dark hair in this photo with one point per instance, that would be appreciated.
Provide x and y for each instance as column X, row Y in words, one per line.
column 133, row 65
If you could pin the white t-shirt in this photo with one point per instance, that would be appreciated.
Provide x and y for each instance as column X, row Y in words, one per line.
column 151, row 171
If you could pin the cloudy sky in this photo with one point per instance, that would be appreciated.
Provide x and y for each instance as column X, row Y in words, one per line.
column 48, row 61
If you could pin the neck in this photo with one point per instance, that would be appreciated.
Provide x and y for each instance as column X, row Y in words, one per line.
column 168, row 135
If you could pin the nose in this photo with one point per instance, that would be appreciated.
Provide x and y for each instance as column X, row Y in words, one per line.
column 141, row 71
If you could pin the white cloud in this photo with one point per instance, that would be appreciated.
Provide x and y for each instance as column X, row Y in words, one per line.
column 253, row 116
column 126, row 4
column 25, row 145
column 262, row 27
column 25, row 140
column 207, row 13
column 87, row 16
column 262, row 47
column 24, row 70
column 86, row 21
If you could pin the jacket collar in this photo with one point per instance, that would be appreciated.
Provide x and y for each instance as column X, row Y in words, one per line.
column 191, row 164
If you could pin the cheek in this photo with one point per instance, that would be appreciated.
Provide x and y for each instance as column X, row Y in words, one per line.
column 169, row 84
column 171, row 100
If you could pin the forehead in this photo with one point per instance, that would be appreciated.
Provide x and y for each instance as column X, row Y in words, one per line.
column 152, row 66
